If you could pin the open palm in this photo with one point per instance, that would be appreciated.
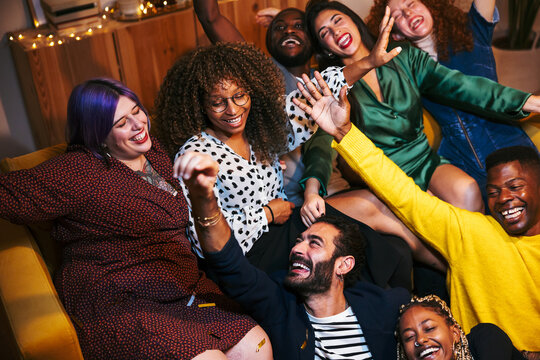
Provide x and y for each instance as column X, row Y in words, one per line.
column 331, row 114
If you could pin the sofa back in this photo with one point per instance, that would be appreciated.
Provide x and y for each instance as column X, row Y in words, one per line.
column 40, row 231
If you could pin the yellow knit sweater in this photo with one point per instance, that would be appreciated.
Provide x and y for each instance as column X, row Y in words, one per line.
column 492, row 277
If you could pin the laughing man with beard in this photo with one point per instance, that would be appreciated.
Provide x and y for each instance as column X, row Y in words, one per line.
column 286, row 38
column 314, row 313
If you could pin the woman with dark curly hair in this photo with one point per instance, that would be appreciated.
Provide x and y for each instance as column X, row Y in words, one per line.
column 227, row 100
column 426, row 329
column 460, row 41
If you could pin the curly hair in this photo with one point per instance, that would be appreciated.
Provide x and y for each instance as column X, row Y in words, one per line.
column 450, row 25
column 433, row 302
column 350, row 241
column 180, row 112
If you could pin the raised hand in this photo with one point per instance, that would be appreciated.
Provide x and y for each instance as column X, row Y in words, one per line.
column 199, row 172
column 378, row 55
column 265, row 16
column 330, row 114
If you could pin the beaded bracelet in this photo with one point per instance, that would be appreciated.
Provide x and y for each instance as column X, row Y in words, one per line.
column 271, row 213
column 209, row 221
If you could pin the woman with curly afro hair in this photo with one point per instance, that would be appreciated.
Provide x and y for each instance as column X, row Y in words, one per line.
column 460, row 41
column 226, row 100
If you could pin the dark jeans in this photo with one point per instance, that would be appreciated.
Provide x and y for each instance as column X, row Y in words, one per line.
column 489, row 342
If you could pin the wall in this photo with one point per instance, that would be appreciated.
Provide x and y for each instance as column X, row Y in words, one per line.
column 15, row 135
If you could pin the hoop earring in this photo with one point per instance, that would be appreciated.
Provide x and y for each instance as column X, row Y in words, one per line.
column 104, row 151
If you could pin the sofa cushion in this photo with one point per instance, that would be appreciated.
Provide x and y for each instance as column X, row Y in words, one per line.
column 40, row 231
column 30, row 160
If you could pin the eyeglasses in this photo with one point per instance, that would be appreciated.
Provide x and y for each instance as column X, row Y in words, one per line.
column 219, row 105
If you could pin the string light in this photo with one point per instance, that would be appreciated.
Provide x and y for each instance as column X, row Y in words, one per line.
column 33, row 39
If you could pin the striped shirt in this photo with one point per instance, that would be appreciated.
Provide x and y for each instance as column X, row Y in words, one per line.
column 339, row 337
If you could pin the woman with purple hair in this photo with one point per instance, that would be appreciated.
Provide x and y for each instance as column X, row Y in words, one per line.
column 128, row 277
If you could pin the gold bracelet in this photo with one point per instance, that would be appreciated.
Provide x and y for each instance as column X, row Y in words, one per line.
column 209, row 221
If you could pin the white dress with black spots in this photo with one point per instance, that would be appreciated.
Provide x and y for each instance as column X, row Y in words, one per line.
column 243, row 187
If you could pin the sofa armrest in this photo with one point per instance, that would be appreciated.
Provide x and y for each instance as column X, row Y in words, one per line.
column 32, row 317
column 531, row 125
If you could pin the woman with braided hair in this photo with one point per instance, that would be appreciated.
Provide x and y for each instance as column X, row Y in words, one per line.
column 426, row 329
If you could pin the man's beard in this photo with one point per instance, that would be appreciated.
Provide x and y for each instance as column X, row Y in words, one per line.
column 318, row 281
column 292, row 61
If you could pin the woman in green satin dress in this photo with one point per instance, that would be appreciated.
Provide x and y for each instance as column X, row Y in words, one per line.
column 387, row 90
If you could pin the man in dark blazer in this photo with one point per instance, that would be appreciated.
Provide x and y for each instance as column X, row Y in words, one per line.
column 318, row 293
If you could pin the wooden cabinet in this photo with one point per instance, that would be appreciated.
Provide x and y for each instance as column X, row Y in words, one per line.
column 146, row 50
column 48, row 74
column 137, row 53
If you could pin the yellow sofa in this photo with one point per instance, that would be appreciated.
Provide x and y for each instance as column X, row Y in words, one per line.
column 33, row 322
column 530, row 124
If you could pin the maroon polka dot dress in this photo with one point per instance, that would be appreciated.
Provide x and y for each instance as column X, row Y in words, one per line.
column 128, row 278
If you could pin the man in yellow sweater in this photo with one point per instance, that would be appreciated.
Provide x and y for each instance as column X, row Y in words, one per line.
column 494, row 261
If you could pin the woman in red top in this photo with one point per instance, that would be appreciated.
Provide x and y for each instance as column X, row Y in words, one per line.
column 128, row 277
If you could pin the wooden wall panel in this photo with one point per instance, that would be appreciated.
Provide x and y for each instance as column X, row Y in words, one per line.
column 147, row 49
column 245, row 11
column 48, row 75
column 283, row 4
